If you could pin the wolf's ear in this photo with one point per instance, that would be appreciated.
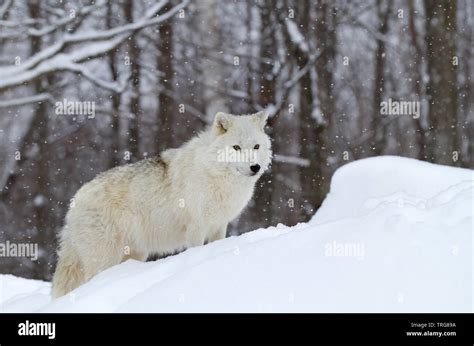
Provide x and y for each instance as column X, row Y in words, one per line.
column 261, row 119
column 222, row 122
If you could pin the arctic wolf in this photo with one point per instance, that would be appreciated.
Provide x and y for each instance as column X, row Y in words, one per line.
column 177, row 200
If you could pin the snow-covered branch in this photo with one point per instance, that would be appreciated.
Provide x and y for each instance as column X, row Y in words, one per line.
column 93, row 44
column 296, row 36
column 25, row 100
column 66, row 19
column 292, row 160
column 301, row 72
column 5, row 7
column 90, row 76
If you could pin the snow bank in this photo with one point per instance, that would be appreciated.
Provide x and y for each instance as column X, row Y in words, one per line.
column 23, row 294
column 356, row 188
column 393, row 235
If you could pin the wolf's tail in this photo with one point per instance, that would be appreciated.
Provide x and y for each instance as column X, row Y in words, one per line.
column 69, row 273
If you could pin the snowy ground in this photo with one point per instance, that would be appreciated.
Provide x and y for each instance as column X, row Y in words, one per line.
column 393, row 235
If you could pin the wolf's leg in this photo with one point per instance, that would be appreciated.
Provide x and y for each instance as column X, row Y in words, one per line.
column 98, row 264
column 100, row 255
column 218, row 234
column 195, row 235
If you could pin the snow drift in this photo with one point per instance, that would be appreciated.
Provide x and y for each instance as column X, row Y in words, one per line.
column 393, row 235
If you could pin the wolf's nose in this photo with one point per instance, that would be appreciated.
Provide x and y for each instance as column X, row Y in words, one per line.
column 255, row 168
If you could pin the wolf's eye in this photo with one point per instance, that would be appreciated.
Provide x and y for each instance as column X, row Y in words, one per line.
column 257, row 146
column 236, row 147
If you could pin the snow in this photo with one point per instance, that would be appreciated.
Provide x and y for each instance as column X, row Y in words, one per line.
column 26, row 295
column 393, row 235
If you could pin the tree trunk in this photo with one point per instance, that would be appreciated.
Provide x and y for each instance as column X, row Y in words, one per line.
column 442, row 87
column 167, row 111
column 417, row 81
column 378, row 142
column 315, row 132
column 115, row 159
column 41, row 196
column 135, row 110
column 266, row 96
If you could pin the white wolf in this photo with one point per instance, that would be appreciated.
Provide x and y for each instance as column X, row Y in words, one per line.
column 176, row 200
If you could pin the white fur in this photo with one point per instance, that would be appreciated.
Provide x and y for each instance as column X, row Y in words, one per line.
column 161, row 205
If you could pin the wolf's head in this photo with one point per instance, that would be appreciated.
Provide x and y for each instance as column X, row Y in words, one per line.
column 240, row 145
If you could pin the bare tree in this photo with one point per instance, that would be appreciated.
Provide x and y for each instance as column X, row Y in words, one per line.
column 379, row 133
column 417, row 80
column 116, row 97
column 133, row 51
column 442, row 86
column 166, row 111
